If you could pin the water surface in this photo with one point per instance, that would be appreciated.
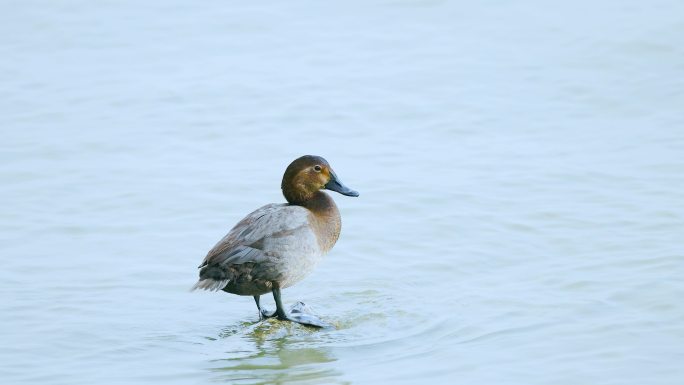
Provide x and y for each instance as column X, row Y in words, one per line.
column 520, row 167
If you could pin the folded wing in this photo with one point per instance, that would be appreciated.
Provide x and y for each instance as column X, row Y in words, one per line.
column 251, row 244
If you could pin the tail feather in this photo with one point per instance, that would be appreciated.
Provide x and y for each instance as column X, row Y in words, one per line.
column 210, row 284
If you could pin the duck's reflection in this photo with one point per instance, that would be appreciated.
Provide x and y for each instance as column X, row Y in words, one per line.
column 274, row 352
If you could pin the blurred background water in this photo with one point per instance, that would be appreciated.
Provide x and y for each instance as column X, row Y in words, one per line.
column 521, row 169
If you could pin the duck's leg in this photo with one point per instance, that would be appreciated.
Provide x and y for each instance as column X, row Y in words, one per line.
column 263, row 314
column 256, row 299
column 297, row 314
column 280, row 311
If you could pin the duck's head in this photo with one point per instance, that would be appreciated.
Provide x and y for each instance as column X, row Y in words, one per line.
column 308, row 174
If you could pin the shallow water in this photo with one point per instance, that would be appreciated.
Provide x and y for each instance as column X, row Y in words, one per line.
column 520, row 165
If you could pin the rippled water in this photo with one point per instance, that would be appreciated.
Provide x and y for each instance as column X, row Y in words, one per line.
column 521, row 169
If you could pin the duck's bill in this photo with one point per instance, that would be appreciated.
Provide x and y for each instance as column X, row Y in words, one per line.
column 334, row 184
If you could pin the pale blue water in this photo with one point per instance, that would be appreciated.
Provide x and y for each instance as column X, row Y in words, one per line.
column 520, row 164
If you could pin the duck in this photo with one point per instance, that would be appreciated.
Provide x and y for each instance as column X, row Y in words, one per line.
column 279, row 244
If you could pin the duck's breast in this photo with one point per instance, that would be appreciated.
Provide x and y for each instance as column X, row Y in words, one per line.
column 294, row 253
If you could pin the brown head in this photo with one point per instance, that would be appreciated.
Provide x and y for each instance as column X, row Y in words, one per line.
column 306, row 175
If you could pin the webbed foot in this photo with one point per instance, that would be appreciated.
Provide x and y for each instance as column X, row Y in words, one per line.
column 265, row 314
column 302, row 314
column 299, row 313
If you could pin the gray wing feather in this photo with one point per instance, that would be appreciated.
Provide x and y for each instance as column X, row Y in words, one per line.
column 260, row 224
column 250, row 241
column 239, row 255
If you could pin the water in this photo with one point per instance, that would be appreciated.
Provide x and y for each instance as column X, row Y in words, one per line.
column 520, row 166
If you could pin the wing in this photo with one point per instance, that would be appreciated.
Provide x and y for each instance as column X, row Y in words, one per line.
column 250, row 241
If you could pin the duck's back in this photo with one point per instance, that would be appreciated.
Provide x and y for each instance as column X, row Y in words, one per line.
column 274, row 245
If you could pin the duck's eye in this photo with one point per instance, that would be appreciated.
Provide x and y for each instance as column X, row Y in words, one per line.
column 317, row 168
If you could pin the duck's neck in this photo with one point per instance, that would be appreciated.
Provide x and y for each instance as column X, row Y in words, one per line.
column 326, row 219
